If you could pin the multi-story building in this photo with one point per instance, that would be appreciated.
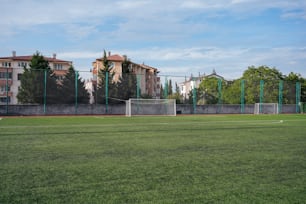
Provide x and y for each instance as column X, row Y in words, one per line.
column 194, row 82
column 149, row 81
column 11, row 69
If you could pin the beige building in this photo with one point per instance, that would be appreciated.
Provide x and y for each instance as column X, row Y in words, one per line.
column 11, row 69
column 149, row 81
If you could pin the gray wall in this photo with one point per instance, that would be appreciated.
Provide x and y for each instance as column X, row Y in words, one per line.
column 86, row 109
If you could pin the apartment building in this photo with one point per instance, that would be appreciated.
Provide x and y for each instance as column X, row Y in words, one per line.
column 194, row 82
column 11, row 69
column 149, row 81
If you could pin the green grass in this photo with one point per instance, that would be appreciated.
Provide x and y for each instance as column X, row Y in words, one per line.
column 189, row 159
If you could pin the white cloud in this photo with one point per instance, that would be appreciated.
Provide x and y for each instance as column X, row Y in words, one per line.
column 228, row 62
column 80, row 55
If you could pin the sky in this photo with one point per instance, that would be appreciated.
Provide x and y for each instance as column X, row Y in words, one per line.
column 179, row 37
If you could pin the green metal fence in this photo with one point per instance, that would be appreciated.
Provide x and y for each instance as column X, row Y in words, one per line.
column 46, row 88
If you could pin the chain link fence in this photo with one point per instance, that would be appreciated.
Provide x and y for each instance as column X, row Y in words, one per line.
column 38, row 92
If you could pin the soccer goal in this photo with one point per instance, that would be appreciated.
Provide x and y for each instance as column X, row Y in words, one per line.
column 143, row 107
column 266, row 108
column 302, row 107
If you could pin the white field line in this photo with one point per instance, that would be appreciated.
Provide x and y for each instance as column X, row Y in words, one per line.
column 215, row 123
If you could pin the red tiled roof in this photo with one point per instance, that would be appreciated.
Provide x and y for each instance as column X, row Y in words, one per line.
column 116, row 58
column 145, row 66
column 29, row 57
column 113, row 58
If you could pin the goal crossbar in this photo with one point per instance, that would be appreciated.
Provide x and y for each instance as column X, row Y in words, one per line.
column 150, row 107
column 266, row 108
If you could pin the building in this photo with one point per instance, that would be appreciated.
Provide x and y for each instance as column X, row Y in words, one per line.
column 11, row 69
column 194, row 82
column 149, row 81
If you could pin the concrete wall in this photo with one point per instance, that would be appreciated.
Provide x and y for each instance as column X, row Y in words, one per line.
column 86, row 109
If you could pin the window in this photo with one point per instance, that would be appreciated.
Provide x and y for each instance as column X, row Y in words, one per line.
column 3, row 75
column 3, row 88
column 4, row 99
column 6, row 64
column 58, row 66
column 19, row 77
column 22, row 64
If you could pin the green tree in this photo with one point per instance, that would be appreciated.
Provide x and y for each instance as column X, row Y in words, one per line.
column 290, row 85
column 208, row 91
column 253, row 76
column 170, row 88
column 123, row 89
column 176, row 95
column 161, row 92
column 38, row 82
column 67, row 89
column 232, row 92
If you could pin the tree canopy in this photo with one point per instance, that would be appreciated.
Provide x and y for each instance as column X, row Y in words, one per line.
column 67, row 89
column 254, row 79
column 38, row 83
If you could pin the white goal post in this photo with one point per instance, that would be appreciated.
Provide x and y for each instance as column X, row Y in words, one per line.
column 149, row 107
column 302, row 106
column 266, row 108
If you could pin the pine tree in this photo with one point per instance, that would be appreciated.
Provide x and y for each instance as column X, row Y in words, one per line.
column 67, row 89
column 38, row 83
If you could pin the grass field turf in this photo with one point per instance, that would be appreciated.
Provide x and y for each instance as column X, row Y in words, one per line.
column 189, row 159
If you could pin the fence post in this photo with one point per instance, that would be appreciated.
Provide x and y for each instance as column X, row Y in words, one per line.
column 297, row 96
column 242, row 106
column 138, row 85
column 280, row 96
column 106, row 92
column 219, row 95
column 261, row 97
column 6, row 89
column 76, row 91
column 45, row 90
column 194, row 97
column 166, row 88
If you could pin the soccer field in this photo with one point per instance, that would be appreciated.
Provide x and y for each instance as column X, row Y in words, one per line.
column 183, row 159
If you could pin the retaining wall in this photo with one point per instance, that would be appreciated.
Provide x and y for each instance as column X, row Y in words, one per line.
column 87, row 109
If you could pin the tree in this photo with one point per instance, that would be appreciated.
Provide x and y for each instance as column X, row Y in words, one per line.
column 232, row 92
column 161, row 92
column 270, row 78
column 170, row 91
column 38, row 83
column 118, row 91
column 208, row 91
column 67, row 89
column 290, row 84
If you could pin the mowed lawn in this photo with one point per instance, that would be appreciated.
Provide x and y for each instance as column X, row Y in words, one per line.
column 183, row 159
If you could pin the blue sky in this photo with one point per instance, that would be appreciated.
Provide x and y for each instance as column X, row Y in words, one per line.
column 179, row 37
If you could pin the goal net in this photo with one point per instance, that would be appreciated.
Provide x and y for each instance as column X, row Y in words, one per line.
column 302, row 107
column 266, row 108
column 144, row 107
